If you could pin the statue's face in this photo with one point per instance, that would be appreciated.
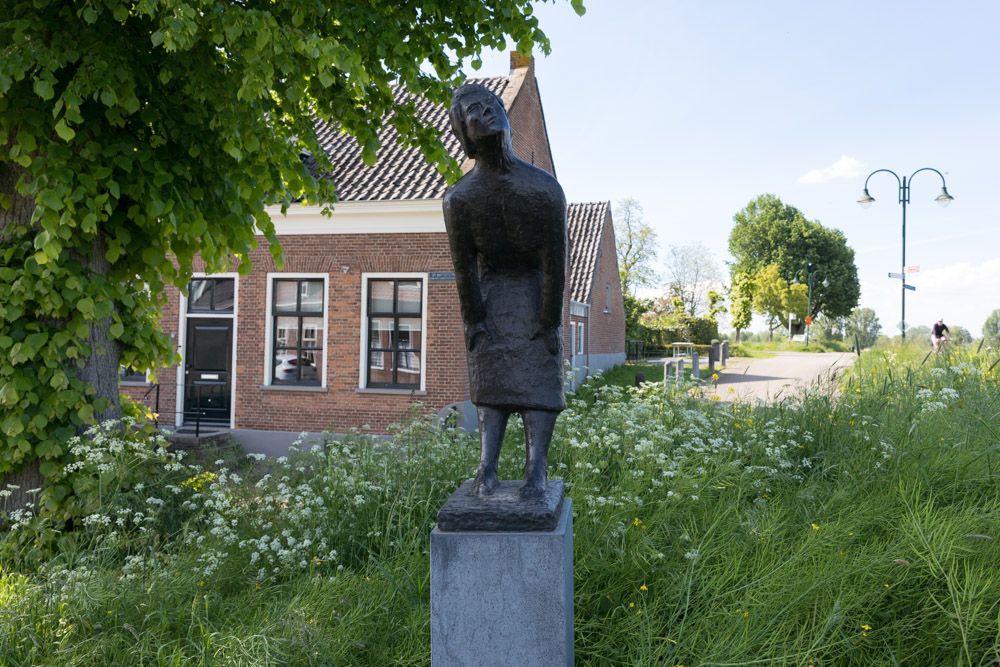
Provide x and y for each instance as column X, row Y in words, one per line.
column 484, row 117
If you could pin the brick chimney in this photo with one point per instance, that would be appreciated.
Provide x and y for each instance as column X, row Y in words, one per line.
column 519, row 61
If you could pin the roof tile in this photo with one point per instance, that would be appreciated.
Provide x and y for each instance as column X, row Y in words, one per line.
column 585, row 224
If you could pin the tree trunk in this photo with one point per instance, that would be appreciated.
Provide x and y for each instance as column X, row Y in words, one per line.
column 100, row 369
column 26, row 479
column 737, row 340
column 19, row 213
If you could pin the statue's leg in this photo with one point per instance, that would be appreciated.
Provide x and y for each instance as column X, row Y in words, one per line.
column 538, row 427
column 492, row 425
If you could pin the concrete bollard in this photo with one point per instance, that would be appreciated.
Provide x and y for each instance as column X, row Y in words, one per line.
column 716, row 351
column 680, row 371
column 668, row 366
column 725, row 352
column 695, row 374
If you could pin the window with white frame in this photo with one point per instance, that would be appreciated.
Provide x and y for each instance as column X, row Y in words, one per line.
column 128, row 375
column 394, row 332
column 298, row 330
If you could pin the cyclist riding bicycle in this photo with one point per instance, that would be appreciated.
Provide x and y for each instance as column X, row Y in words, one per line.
column 937, row 333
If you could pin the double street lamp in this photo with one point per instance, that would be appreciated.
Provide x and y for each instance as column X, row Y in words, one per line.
column 904, row 198
column 810, row 274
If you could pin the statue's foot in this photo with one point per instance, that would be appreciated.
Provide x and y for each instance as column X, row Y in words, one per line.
column 485, row 482
column 530, row 490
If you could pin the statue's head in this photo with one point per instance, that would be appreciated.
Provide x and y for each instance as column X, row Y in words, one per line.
column 478, row 117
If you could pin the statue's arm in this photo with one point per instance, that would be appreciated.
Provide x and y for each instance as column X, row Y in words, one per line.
column 553, row 263
column 463, row 258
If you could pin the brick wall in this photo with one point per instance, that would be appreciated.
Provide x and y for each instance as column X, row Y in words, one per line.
column 527, row 121
column 166, row 377
column 607, row 330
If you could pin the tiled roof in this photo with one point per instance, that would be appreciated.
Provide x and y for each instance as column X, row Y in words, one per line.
column 399, row 173
column 586, row 228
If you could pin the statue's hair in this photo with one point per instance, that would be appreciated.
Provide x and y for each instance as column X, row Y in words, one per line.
column 458, row 118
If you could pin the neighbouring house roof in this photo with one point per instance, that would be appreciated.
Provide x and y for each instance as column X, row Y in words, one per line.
column 400, row 172
column 585, row 224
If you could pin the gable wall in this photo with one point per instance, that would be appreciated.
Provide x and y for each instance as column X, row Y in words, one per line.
column 527, row 122
column 607, row 330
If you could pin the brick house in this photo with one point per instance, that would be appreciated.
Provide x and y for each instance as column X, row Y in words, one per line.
column 363, row 319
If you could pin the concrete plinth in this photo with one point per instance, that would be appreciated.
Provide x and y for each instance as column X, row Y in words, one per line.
column 503, row 598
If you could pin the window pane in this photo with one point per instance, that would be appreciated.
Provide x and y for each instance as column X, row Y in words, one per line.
column 286, row 365
column 200, row 295
column 312, row 296
column 286, row 331
column 129, row 374
column 284, row 295
column 380, row 296
column 312, row 332
column 409, row 368
column 310, row 365
column 408, row 337
column 380, row 332
column 225, row 294
column 380, row 368
column 409, row 296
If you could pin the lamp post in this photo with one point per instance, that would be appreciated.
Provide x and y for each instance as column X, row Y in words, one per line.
column 810, row 274
column 867, row 200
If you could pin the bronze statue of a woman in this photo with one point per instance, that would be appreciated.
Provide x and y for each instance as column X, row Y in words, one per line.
column 506, row 222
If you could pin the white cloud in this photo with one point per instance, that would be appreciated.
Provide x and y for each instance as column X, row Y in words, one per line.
column 845, row 167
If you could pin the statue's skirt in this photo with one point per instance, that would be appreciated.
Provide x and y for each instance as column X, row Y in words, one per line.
column 512, row 371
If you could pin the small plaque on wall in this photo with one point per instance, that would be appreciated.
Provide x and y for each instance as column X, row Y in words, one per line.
column 441, row 276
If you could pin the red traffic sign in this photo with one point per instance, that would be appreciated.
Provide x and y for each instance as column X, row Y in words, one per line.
column 809, row 320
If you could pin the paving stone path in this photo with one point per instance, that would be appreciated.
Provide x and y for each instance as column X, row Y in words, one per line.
column 783, row 375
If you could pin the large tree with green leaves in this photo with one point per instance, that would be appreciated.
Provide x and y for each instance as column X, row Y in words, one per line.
column 862, row 327
column 135, row 136
column 635, row 244
column 767, row 231
column 741, row 293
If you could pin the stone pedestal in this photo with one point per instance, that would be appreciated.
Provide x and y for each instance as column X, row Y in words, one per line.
column 503, row 598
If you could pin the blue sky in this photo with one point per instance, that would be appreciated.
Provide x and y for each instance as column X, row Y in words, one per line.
column 695, row 108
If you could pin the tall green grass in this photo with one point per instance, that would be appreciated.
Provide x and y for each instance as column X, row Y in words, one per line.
column 861, row 531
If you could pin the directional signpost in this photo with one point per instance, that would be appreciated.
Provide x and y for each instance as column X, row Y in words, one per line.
column 912, row 269
column 896, row 275
column 910, row 287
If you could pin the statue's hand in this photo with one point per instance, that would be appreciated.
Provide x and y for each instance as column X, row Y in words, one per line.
column 473, row 331
column 548, row 334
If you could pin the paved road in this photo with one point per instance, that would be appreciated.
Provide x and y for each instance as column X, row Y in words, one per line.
column 783, row 375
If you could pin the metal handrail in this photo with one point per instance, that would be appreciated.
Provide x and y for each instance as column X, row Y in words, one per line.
column 197, row 414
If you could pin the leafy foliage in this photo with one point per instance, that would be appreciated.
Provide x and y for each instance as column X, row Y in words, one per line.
column 135, row 136
column 774, row 298
column 768, row 231
column 635, row 308
column 741, row 293
column 991, row 328
column 862, row 325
